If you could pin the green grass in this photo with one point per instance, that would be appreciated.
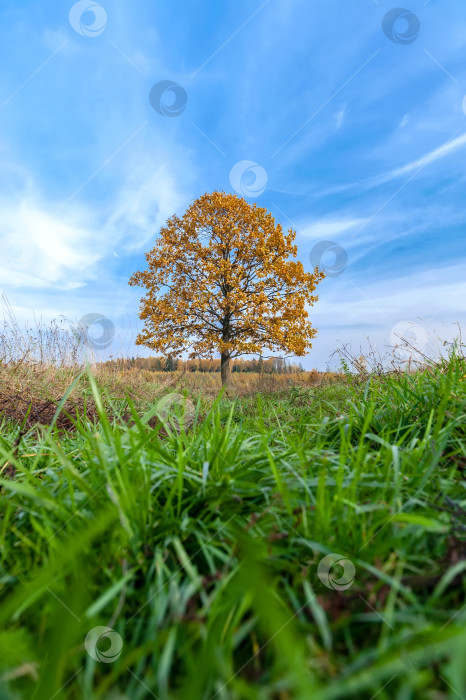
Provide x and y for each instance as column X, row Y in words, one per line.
column 200, row 548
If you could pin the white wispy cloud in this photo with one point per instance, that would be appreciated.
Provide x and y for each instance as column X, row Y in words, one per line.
column 323, row 229
column 340, row 117
column 354, row 309
column 143, row 203
column 40, row 249
column 442, row 151
column 42, row 246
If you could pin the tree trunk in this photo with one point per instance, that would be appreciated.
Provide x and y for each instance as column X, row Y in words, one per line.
column 225, row 368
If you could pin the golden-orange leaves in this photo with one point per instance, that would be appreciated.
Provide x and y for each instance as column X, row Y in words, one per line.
column 221, row 279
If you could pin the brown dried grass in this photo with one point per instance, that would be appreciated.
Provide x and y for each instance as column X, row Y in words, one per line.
column 38, row 365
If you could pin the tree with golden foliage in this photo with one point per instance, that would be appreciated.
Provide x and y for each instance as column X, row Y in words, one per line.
column 219, row 280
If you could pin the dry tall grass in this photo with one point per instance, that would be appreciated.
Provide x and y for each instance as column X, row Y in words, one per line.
column 38, row 365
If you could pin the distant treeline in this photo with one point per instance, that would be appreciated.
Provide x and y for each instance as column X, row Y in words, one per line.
column 275, row 365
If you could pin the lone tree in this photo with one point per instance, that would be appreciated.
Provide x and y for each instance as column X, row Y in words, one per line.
column 219, row 280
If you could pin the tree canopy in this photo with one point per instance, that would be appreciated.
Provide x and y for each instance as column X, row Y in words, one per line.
column 221, row 279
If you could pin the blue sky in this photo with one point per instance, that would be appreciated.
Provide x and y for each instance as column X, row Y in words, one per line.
column 353, row 136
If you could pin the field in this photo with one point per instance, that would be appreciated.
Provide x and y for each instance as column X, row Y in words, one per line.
column 305, row 539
